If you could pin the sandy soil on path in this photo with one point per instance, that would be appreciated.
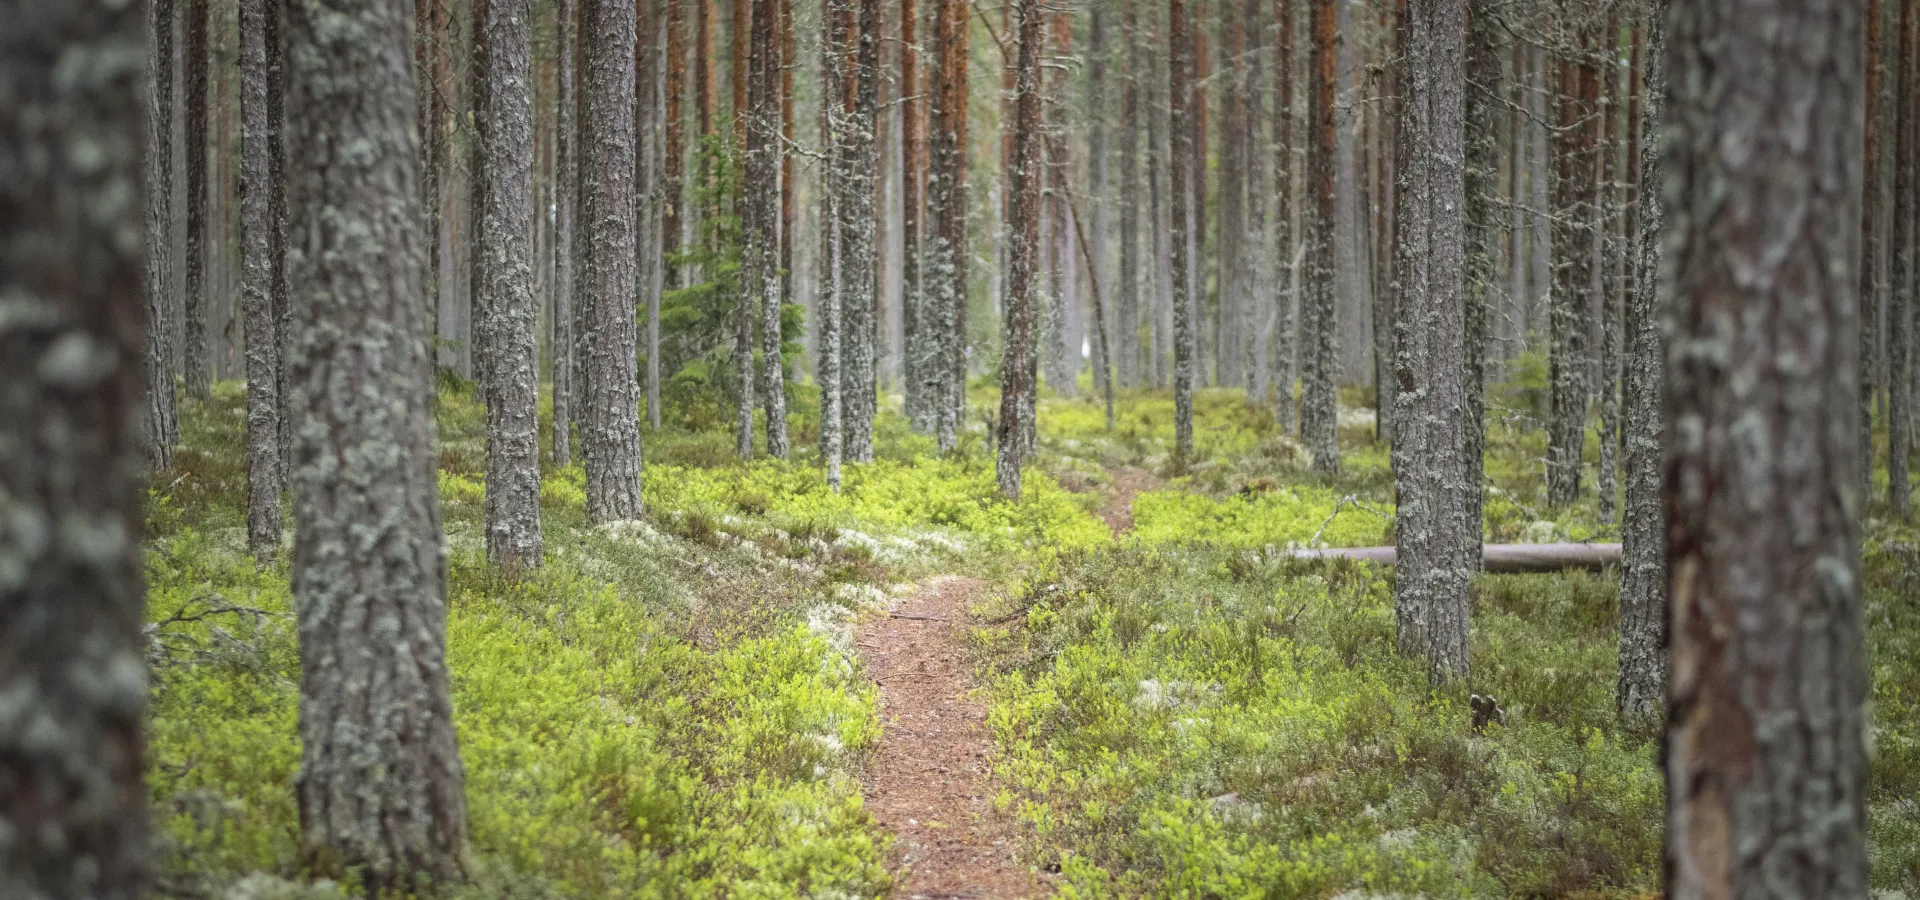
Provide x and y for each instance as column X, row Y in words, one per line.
column 928, row 784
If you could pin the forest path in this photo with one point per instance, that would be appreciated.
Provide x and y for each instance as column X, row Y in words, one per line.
column 928, row 784
column 1117, row 508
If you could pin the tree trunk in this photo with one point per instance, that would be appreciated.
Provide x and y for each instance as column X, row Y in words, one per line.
column 762, row 253
column 1126, row 286
column 566, row 175
column 1018, row 364
column 1282, row 344
column 1180, row 121
column 199, row 366
column 161, row 417
column 789, row 60
column 1230, row 223
column 1573, row 181
column 1481, row 241
column 1606, row 220
column 859, row 284
column 504, row 136
column 278, row 289
column 674, row 155
column 1766, row 755
column 610, row 436
column 738, row 35
column 946, row 253
column 1318, row 406
column 1438, row 546
column 380, row 783
column 1386, row 288
column 1061, row 354
column 1642, row 691
column 427, row 99
column 1906, row 271
column 257, row 264
column 836, row 52
column 919, row 359
column 1870, row 248
column 72, row 336
column 1254, row 314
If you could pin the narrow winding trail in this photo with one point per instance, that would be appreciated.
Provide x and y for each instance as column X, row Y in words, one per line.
column 1117, row 509
column 928, row 784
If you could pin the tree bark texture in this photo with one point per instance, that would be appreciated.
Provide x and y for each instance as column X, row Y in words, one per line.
column 194, row 62
column 1642, row 690
column 72, row 339
column 1259, row 268
column 1870, row 239
column 859, row 283
column 1766, row 756
column 610, row 426
column 762, row 215
column 1906, row 272
column 1481, row 243
column 1127, row 286
column 919, row 351
column 1060, row 355
column 1319, row 413
column 566, row 174
column 836, row 49
column 1606, row 219
column 672, row 180
column 1018, row 365
column 162, row 415
column 1180, row 119
column 380, row 783
column 1282, row 344
column 256, row 289
column 1438, row 546
column 504, row 126
column 1568, row 317
column 279, row 290
column 946, row 253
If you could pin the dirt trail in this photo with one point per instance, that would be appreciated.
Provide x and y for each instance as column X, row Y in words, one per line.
column 1117, row 509
column 928, row 784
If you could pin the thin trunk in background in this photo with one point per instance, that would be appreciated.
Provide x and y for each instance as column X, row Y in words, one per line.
column 1018, row 369
column 74, row 795
column 1318, row 406
column 946, row 252
column 836, row 53
column 380, row 789
column 739, row 36
column 1606, row 220
column 859, row 284
column 761, row 210
column 1126, row 286
column 610, row 430
column 918, row 352
column 1870, row 240
column 1282, row 344
column 1481, row 244
column 161, row 417
column 1386, row 285
column 673, row 154
column 279, row 290
column 256, row 287
column 1569, row 316
column 1180, row 123
column 788, row 223
column 1260, row 285
column 1906, row 268
column 566, row 177
column 1766, row 753
column 197, row 309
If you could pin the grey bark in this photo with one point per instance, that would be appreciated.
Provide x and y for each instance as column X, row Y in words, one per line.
column 1642, row 690
column 1180, row 123
column 1606, row 220
column 194, row 62
column 835, row 50
column 859, row 283
column 1766, row 755
column 762, row 216
column 72, row 337
column 610, row 424
column 1127, row 288
column 946, row 251
column 1259, row 293
column 504, row 136
column 1481, row 243
column 1568, row 318
column 380, row 781
column 426, row 87
column 1318, row 405
column 566, row 176
column 1906, row 274
column 278, row 289
column 1438, row 546
column 1018, row 365
column 256, row 285
column 1282, row 344
column 1870, row 241
column 162, row 414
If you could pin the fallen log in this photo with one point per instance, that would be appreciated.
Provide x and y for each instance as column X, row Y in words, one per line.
column 1501, row 559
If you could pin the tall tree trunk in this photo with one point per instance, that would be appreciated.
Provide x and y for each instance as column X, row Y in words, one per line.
column 918, row 356
column 1438, row 546
column 610, row 429
column 1906, row 269
column 566, row 177
column 1160, row 301
column 1254, row 315
column 1766, row 750
column 1180, row 121
column 1642, row 690
column 1018, row 370
column 503, row 123
column 1318, row 406
column 859, row 284
column 946, row 253
column 278, row 288
column 1573, row 182
column 753, row 245
column 704, row 78
column 199, row 365
column 161, row 417
column 738, row 36
column 1870, row 247
column 1099, row 190
column 675, row 158
column 836, row 50
column 1061, row 354
column 1231, row 223
column 1282, row 344
column 257, row 264
column 1126, row 287
column 1481, row 244
column 72, row 337
column 1386, row 288
column 427, row 98
column 788, row 223
column 762, row 254
column 1606, row 220
column 380, row 783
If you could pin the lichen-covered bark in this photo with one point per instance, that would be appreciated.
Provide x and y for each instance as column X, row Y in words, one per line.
column 946, row 252
column 1906, row 275
column 1126, row 286
column 194, row 62
column 1280, row 346
column 761, row 263
column 1766, row 755
column 1180, row 119
column 610, row 422
column 1481, row 243
column 1018, row 364
column 380, row 783
column 1437, row 545
column 278, row 289
column 836, row 27
column 1318, row 405
column 1606, row 218
column 73, row 688
column 859, row 284
column 920, row 349
column 504, row 132
column 566, row 174
column 257, row 263
column 1568, row 320
column 162, row 414
column 1642, row 690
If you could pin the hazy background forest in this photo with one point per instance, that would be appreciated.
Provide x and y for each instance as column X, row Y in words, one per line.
column 942, row 448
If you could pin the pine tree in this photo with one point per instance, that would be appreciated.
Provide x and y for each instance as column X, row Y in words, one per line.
column 919, row 353
column 1282, row 345
column 610, row 428
column 566, row 176
column 946, row 251
column 380, row 783
column 1766, row 749
column 162, row 415
column 1870, row 240
column 1318, row 406
column 72, row 336
column 256, row 285
column 1573, row 182
column 761, row 207
column 836, row 51
column 1481, row 246
column 1901, row 307
column 859, row 280
column 194, row 62
column 1438, row 546
column 1185, row 342
column 1018, row 365
column 1127, row 287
